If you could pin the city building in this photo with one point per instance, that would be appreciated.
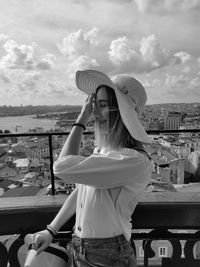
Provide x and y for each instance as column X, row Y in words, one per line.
column 38, row 149
column 193, row 164
column 22, row 165
column 173, row 121
column 8, row 171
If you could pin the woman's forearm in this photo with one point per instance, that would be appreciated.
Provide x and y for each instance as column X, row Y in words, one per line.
column 73, row 142
column 66, row 212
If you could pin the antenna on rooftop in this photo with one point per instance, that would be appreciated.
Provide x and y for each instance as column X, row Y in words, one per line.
column 16, row 127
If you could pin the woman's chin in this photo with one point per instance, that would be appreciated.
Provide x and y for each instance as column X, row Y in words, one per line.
column 104, row 127
column 104, row 130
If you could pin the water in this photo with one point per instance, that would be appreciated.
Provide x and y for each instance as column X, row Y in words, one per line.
column 21, row 124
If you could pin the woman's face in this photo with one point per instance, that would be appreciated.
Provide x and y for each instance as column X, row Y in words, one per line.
column 101, row 109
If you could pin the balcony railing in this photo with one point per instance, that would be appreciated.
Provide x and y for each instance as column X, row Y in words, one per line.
column 49, row 135
column 159, row 216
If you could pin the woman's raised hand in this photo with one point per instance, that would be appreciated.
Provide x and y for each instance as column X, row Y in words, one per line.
column 87, row 109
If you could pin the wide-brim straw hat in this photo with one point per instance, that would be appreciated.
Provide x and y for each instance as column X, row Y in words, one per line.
column 130, row 94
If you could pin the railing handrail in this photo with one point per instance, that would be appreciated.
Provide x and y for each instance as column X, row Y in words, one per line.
column 38, row 134
column 91, row 132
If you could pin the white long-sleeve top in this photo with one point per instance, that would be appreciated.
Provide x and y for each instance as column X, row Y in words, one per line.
column 109, row 186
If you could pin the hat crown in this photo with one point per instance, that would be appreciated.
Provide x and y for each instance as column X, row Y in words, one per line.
column 131, row 87
column 93, row 79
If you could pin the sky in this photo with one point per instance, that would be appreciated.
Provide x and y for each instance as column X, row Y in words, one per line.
column 44, row 42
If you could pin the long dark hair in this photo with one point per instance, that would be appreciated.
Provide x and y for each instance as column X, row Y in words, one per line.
column 118, row 136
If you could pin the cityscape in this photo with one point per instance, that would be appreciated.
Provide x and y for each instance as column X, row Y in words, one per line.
column 42, row 45
column 25, row 160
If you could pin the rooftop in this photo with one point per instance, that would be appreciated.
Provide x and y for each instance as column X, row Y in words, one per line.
column 22, row 191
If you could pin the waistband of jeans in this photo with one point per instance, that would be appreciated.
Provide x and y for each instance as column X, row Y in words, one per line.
column 119, row 239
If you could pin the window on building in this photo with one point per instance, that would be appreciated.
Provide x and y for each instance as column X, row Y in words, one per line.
column 141, row 252
column 162, row 251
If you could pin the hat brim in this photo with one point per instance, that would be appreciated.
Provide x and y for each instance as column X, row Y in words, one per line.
column 130, row 118
column 89, row 80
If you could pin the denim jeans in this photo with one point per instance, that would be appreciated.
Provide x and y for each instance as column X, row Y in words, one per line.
column 101, row 252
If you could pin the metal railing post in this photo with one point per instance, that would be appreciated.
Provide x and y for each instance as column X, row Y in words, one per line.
column 51, row 164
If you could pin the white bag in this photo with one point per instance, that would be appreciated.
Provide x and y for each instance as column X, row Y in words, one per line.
column 53, row 256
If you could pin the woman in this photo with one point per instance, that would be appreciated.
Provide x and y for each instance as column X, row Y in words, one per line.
column 110, row 182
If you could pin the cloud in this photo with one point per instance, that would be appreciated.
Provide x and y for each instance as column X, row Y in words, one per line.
column 17, row 83
column 171, row 87
column 21, row 56
column 148, row 56
column 29, row 83
column 78, row 43
column 3, row 37
column 80, row 50
column 175, row 81
column 182, row 87
column 80, row 62
column 60, row 89
column 182, row 57
column 43, row 65
column 181, row 5
column 120, row 50
column 195, row 83
column 23, row 67
column 152, row 52
column 146, row 38
column 166, row 6
column 124, row 57
column 46, row 62
column 84, row 49
column 17, row 55
column 4, row 78
column 148, row 5
column 156, row 83
column 92, row 36
column 186, row 69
